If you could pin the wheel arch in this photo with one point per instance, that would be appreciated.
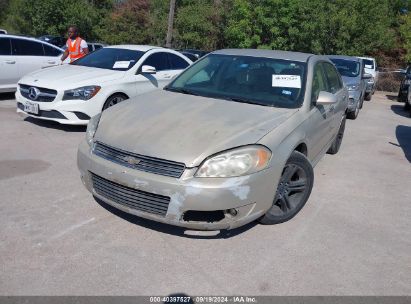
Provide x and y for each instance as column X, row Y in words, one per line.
column 111, row 95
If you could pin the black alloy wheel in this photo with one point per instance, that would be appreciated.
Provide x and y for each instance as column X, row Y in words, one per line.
column 293, row 190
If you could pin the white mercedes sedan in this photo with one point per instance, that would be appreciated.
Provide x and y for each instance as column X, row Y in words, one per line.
column 72, row 93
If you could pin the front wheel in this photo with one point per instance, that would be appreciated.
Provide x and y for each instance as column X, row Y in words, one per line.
column 408, row 100
column 113, row 100
column 354, row 114
column 335, row 147
column 293, row 190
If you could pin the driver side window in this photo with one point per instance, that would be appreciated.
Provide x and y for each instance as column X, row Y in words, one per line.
column 319, row 82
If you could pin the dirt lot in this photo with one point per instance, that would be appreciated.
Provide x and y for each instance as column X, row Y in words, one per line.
column 352, row 238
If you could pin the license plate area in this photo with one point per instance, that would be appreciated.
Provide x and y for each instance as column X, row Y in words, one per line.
column 31, row 107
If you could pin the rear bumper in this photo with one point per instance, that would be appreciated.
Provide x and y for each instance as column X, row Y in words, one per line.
column 250, row 196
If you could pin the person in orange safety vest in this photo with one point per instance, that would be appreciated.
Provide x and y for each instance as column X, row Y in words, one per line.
column 76, row 46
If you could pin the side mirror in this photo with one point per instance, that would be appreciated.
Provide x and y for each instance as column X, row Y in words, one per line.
column 148, row 69
column 326, row 98
column 366, row 76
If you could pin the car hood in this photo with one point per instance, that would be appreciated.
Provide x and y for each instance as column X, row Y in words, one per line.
column 351, row 80
column 185, row 128
column 70, row 76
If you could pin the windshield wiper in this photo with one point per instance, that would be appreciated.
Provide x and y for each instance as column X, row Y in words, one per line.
column 244, row 100
column 180, row 90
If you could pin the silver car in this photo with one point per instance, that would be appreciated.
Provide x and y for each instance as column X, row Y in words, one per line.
column 356, row 80
column 231, row 140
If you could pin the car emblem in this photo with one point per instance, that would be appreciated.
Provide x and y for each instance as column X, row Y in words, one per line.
column 33, row 93
column 131, row 160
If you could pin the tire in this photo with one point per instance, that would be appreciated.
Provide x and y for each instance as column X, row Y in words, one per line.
column 362, row 101
column 407, row 100
column 113, row 100
column 354, row 114
column 368, row 96
column 293, row 190
column 335, row 147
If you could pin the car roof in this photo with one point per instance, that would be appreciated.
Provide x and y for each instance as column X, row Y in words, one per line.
column 352, row 58
column 135, row 47
column 368, row 58
column 285, row 55
column 31, row 39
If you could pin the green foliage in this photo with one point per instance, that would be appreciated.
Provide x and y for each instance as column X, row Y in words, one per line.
column 36, row 18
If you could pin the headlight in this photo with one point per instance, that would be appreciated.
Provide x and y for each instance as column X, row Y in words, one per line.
column 92, row 128
column 236, row 162
column 353, row 87
column 83, row 93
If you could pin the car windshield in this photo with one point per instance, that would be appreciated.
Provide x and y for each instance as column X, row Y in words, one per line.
column 255, row 80
column 369, row 64
column 346, row 67
column 111, row 59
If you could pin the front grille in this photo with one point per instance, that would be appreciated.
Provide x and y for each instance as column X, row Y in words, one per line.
column 45, row 95
column 129, row 197
column 139, row 162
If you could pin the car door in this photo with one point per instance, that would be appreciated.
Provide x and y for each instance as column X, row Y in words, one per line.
column 320, row 116
column 335, row 86
column 29, row 55
column 52, row 55
column 9, row 74
column 163, row 74
column 177, row 64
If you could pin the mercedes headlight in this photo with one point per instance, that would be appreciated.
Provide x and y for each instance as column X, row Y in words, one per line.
column 92, row 128
column 237, row 162
column 353, row 87
column 83, row 93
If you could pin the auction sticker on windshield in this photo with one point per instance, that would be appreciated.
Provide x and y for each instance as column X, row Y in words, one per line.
column 31, row 107
column 121, row 65
column 286, row 81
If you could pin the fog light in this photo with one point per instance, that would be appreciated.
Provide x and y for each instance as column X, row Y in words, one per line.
column 232, row 212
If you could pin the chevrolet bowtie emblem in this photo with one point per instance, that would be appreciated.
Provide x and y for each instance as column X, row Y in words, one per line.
column 131, row 160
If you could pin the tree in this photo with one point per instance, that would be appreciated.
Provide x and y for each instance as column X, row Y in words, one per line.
column 170, row 23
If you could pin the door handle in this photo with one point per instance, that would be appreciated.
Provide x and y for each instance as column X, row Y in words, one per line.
column 10, row 61
column 51, row 62
column 167, row 76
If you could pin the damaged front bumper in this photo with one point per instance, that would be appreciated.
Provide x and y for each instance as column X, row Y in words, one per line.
column 194, row 203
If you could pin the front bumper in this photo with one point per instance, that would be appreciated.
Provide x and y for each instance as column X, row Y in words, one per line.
column 70, row 112
column 250, row 196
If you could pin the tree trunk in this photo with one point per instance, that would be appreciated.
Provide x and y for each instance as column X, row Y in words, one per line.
column 170, row 23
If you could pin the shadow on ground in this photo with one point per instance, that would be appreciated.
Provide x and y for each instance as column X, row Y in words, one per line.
column 169, row 229
column 55, row 125
column 392, row 97
column 6, row 96
column 403, row 134
column 399, row 110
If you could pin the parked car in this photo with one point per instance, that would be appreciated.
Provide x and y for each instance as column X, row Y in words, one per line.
column 55, row 40
column 232, row 139
column 404, row 92
column 352, row 72
column 22, row 55
column 3, row 31
column 370, row 67
column 93, row 46
column 72, row 93
column 194, row 55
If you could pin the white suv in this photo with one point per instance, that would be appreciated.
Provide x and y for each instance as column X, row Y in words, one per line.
column 370, row 67
column 20, row 56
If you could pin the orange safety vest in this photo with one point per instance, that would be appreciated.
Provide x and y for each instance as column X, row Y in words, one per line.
column 75, row 51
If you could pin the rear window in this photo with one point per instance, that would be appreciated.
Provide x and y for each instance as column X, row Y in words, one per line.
column 369, row 64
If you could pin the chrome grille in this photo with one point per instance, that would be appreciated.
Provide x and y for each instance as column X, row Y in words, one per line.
column 139, row 162
column 129, row 197
column 45, row 95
